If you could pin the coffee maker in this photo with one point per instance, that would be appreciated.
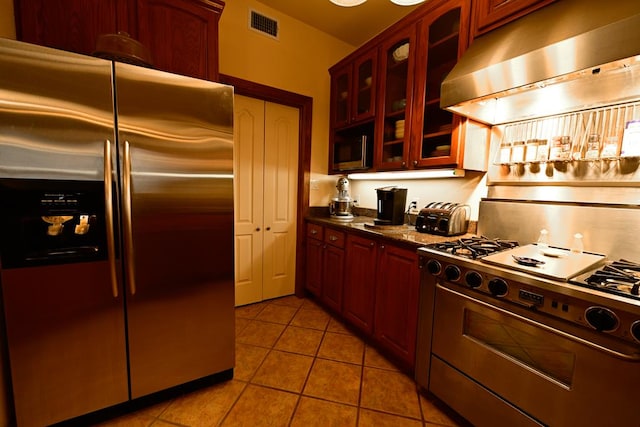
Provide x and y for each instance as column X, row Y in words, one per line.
column 391, row 204
column 340, row 207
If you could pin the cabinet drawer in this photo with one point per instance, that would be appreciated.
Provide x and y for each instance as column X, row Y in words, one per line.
column 314, row 231
column 334, row 238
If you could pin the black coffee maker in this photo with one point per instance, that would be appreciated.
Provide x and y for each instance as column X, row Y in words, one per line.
column 391, row 204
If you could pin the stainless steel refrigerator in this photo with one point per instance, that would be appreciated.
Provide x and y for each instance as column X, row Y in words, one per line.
column 116, row 230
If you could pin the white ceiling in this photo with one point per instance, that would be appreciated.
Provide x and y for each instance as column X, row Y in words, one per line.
column 353, row 25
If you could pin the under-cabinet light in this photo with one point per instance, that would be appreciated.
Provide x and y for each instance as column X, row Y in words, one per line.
column 425, row 174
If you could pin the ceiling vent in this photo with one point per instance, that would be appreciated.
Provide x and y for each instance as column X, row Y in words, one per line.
column 263, row 24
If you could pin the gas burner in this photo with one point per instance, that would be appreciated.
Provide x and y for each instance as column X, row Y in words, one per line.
column 473, row 247
column 620, row 277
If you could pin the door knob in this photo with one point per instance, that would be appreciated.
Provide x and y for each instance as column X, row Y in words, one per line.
column 257, row 228
column 268, row 228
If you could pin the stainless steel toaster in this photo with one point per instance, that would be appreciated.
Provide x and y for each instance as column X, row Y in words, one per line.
column 443, row 218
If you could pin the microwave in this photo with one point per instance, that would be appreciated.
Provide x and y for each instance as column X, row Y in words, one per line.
column 353, row 153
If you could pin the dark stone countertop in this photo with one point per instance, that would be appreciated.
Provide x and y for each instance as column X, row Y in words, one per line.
column 405, row 235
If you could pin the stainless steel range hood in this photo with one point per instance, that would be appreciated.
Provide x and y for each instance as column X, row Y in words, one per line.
column 569, row 56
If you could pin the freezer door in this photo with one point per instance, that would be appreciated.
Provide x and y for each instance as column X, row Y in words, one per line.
column 176, row 148
column 64, row 314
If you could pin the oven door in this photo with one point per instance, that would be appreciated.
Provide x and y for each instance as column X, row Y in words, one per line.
column 488, row 362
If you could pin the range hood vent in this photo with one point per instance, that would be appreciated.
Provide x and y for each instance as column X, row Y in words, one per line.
column 569, row 56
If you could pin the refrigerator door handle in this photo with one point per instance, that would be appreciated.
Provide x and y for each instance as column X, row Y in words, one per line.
column 126, row 210
column 108, row 199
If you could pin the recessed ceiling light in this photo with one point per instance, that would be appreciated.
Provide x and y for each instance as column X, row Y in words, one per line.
column 347, row 3
column 350, row 3
column 406, row 2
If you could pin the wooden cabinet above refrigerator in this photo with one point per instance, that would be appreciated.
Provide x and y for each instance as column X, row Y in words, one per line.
column 74, row 25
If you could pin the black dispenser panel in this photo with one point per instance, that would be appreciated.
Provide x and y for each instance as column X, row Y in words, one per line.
column 46, row 222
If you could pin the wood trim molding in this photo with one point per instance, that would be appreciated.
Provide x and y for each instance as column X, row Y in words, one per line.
column 305, row 105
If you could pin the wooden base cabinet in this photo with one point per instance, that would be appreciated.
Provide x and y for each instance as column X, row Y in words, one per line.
column 381, row 294
column 396, row 308
column 360, row 281
column 325, row 264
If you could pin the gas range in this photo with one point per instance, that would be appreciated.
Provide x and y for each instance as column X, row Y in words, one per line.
column 491, row 305
column 566, row 286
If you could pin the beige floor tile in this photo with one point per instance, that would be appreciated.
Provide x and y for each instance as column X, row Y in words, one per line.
column 241, row 323
column 434, row 412
column 205, row 407
column 284, row 371
column 291, row 301
column 261, row 406
column 263, row 334
column 374, row 359
column 314, row 412
column 345, row 348
column 337, row 327
column 311, row 318
column 299, row 340
column 370, row 418
column 248, row 359
column 277, row 314
column 129, row 420
column 389, row 391
column 250, row 311
column 335, row 381
column 310, row 303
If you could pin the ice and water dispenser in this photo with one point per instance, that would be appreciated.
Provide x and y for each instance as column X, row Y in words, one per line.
column 46, row 222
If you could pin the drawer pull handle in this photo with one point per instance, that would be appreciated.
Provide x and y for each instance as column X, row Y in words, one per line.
column 333, row 238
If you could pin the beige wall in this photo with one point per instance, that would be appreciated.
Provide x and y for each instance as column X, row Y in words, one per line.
column 297, row 62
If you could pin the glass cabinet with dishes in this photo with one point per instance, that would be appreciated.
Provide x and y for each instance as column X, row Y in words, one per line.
column 353, row 90
column 394, row 101
column 435, row 138
column 353, row 103
column 398, row 115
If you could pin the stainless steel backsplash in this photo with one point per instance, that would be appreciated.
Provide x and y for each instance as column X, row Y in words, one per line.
column 610, row 229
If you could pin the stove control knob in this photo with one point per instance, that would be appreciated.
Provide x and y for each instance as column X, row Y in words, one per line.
column 635, row 330
column 498, row 287
column 473, row 279
column 601, row 319
column 434, row 267
column 452, row 273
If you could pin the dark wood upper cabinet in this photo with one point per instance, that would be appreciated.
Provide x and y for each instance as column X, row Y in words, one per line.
column 182, row 35
column 72, row 25
column 491, row 14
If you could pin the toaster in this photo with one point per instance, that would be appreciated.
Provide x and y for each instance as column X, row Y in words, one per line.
column 443, row 218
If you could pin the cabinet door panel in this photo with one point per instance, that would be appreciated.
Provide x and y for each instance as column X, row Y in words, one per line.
column 72, row 25
column 435, row 139
column 333, row 263
column 182, row 35
column 396, row 311
column 491, row 14
column 314, row 267
column 359, row 283
column 394, row 108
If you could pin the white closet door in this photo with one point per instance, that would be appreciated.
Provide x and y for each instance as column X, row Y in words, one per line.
column 248, row 170
column 266, row 166
column 280, row 190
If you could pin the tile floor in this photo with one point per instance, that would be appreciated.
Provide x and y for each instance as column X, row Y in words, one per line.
column 298, row 366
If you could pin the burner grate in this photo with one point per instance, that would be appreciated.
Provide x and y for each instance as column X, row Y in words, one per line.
column 473, row 247
column 620, row 277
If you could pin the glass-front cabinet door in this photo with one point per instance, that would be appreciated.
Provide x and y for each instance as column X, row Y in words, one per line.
column 435, row 137
column 353, row 90
column 364, row 89
column 340, row 99
column 394, row 101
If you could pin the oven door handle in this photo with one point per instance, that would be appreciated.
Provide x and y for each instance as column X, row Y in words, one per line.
column 633, row 357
